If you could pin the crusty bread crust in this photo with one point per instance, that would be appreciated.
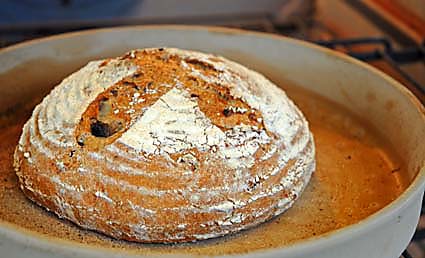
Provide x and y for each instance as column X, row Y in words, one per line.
column 165, row 145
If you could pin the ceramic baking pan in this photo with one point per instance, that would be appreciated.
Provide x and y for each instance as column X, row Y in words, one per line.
column 335, row 76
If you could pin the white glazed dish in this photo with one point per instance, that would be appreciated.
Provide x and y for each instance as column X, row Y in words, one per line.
column 327, row 73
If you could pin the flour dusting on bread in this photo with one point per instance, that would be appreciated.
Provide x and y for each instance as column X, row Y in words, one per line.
column 165, row 145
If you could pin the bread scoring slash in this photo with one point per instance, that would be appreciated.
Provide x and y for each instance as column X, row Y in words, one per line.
column 165, row 145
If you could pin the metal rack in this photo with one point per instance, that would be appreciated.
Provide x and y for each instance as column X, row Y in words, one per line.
column 385, row 51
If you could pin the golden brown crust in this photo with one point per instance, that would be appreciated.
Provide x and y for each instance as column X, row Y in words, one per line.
column 164, row 145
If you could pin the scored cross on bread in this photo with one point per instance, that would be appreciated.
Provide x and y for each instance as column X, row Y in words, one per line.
column 165, row 145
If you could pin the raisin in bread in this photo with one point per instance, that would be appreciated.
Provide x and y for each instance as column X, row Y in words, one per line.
column 165, row 145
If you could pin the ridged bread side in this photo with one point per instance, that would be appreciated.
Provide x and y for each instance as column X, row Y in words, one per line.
column 174, row 174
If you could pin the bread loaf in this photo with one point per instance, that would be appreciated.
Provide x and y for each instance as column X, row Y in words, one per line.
column 165, row 145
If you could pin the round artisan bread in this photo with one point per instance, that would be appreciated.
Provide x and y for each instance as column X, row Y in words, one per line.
column 165, row 145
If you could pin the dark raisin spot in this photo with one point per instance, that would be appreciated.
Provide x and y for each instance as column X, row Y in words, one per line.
column 114, row 93
column 223, row 95
column 101, row 129
column 203, row 65
column 193, row 95
column 80, row 140
column 137, row 75
column 71, row 153
column 161, row 49
column 252, row 116
column 227, row 112
column 194, row 82
column 146, row 88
